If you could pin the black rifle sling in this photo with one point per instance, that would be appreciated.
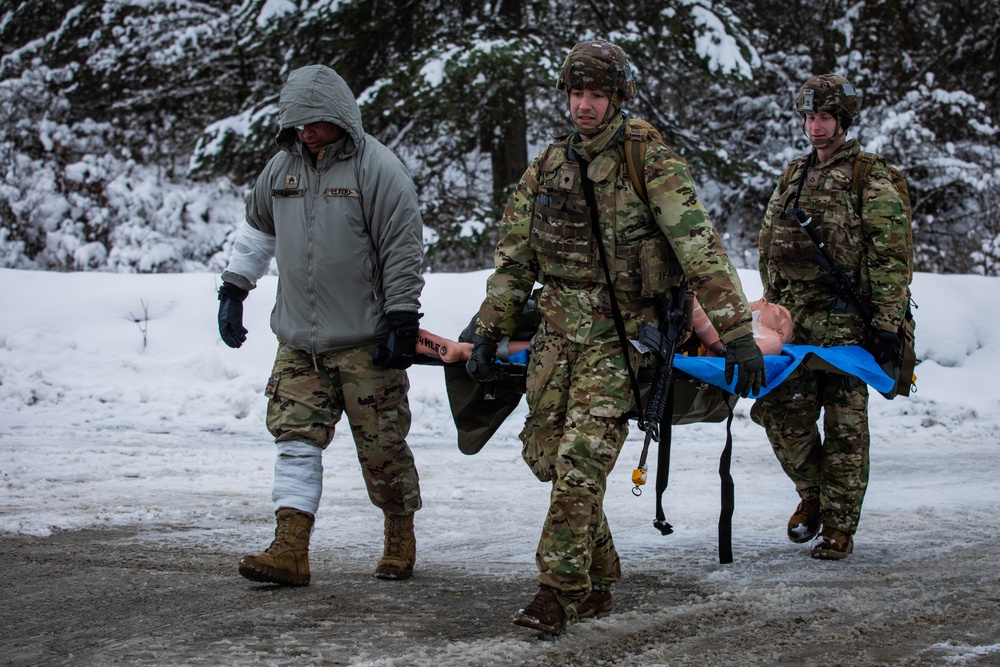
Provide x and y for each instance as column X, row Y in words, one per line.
column 588, row 193
column 802, row 180
column 635, row 161
column 663, row 465
column 663, row 451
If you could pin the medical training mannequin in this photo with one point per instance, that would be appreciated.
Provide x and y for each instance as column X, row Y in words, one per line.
column 772, row 328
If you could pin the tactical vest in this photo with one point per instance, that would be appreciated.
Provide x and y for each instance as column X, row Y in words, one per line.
column 828, row 197
column 642, row 261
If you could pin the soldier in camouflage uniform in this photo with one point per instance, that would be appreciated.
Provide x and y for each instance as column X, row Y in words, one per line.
column 338, row 211
column 578, row 389
column 866, row 233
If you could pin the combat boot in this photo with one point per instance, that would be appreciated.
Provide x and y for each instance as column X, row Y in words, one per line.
column 832, row 544
column 598, row 602
column 803, row 525
column 400, row 550
column 543, row 613
column 286, row 561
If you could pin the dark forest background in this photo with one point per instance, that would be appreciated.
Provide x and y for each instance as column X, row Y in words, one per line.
column 130, row 131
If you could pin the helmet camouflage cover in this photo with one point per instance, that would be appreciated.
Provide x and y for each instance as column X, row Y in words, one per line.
column 831, row 93
column 598, row 65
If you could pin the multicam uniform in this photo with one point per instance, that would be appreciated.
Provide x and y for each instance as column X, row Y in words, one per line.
column 871, row 246
column 578, row 389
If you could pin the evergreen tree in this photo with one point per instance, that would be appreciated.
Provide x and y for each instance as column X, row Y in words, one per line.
column 109, row 108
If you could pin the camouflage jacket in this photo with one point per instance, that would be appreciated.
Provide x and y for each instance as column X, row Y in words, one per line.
column 649, row 247
column 870, row 245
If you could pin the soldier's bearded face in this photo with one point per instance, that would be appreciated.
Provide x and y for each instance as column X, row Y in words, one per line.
column 588, row 109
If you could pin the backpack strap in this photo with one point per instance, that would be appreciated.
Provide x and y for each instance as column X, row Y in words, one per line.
column 863, row 164
column 786, row 176
column 635, row 160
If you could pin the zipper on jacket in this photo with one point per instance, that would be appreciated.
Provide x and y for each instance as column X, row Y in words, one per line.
column 313, row 303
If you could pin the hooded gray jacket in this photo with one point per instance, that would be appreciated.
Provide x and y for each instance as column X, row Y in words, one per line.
column 347, row 228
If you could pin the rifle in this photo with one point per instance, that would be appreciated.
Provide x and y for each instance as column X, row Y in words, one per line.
column 662, row 343
column 845, row 285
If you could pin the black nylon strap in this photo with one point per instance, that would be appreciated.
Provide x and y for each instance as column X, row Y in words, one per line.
column 728, row 496
column 663, row 451
column 663, row 465
column 725, row 475
column 802, row 180
column 588, row 193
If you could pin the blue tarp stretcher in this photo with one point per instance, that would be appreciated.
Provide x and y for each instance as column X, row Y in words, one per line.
column 479, row 409
column 846, row 359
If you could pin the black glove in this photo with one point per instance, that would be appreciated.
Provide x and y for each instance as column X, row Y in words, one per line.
column 231, row 314
column 744, row 353
column 399, row 348
column 883, row 346
column 481, row 364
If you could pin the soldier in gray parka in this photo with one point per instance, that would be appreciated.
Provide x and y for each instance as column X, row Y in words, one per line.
column 338, row 211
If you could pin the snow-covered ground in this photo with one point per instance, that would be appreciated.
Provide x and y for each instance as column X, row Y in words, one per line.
column 120, row 407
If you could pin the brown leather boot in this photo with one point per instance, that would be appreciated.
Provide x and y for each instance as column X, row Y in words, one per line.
column 543, row 613
column 400, row 551
column 286, row 561
column 804, row 523
column 598, row 602
column 832, row 544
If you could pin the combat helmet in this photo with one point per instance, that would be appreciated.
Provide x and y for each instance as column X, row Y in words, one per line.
column 831, row 93
column 598, row 65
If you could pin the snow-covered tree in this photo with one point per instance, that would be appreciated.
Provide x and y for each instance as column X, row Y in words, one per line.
column 131, row 129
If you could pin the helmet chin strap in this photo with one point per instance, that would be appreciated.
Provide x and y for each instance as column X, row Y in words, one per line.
column 613, row 105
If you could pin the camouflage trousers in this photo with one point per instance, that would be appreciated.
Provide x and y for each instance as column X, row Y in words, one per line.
column 834, row 467
column 307, row 397
column 577, row 395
